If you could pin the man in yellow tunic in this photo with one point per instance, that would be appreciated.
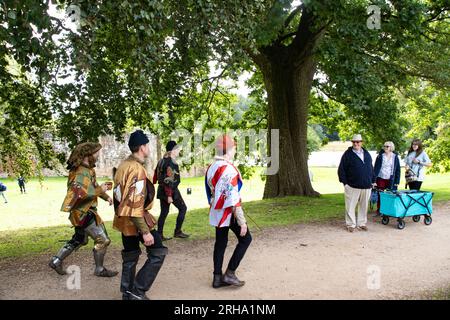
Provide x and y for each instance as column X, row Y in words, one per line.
column 81, row 201
column 133, row 198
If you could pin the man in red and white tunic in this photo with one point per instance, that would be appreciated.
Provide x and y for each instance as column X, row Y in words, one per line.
column 223, row 182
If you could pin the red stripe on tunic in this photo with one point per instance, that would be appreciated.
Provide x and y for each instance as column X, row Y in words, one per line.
column 226, row 213
column 237, row 171
column 217, row 175
column 220, row 202
column 234, row 181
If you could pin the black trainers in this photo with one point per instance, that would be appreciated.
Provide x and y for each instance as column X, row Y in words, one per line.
column 180, row 234
column 136, row 296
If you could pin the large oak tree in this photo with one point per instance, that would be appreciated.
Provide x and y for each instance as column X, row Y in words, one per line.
column 145, row 60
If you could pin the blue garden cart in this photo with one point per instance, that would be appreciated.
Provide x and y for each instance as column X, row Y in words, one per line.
column 406, row 203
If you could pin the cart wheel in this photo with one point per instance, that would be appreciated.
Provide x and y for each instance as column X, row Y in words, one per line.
column 428, row 220
column 385, row 220
column 416, row 218
column 401, row 224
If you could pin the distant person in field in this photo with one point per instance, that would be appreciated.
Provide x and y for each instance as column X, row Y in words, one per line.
column 167, row 174
column 81, row 201
column 387, row 169
column 2, row 191
column 21, row 182
column 223, row 182
column 416, row 161
column 356, row 174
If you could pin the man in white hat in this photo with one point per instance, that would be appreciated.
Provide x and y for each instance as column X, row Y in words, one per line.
column 356, row 173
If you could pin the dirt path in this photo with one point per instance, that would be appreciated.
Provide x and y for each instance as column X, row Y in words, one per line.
column 315, row 261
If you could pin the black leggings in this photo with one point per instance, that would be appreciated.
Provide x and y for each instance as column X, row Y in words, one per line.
column 415, row 185
column 178, row 202
column 221, row 245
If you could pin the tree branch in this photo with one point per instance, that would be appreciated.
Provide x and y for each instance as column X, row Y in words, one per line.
column 305, row 39
column 293, row 14
column 431, row 39
column 258, row 58
column 399, row 68
column 59, row 23
column 282, row 38
column 433, row 17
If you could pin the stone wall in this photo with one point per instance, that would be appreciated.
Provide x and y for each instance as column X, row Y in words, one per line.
column 113, row 152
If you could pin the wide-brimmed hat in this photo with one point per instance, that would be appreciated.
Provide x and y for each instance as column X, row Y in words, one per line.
column 80, row 152
column 357, row 137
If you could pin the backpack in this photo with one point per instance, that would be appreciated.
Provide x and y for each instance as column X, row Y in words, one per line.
column 410, row 176
column 2, row 187
column 373, row 199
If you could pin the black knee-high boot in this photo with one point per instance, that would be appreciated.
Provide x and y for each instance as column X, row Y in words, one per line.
column 147, row 275
column 129, row 262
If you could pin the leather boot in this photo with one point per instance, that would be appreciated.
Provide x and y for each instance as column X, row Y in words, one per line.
column 180, row 234
column 56, row 263
column 100, row 270
column 129, row 262
column 147, row 275
column 217, row 281
column 230, row 278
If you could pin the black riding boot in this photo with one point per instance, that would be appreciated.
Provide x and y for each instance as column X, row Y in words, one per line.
column 147, row 275
column 129, row 262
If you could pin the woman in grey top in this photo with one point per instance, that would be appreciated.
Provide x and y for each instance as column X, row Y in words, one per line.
column 416, row 160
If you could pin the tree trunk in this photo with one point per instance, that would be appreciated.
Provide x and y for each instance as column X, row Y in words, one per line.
column 288, row 86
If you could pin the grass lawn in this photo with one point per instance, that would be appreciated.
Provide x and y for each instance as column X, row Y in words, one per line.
column 32, row 222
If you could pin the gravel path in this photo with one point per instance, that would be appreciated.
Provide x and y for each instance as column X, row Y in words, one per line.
column 313, row 261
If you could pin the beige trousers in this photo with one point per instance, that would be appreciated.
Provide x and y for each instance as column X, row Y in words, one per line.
column 353, row 197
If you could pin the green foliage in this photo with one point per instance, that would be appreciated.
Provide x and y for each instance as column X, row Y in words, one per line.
column 427, row 110
column 314, row 139
column 24, row 123
column 149, row 64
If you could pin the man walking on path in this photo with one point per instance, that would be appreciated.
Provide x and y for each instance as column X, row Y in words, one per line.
column 81, row 200
column 133, row 198
column 223, row 183
column 356, row 174
column 167, row 174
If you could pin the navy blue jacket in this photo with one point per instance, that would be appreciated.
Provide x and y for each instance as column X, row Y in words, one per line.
column 395, row 178
column 354, row 172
